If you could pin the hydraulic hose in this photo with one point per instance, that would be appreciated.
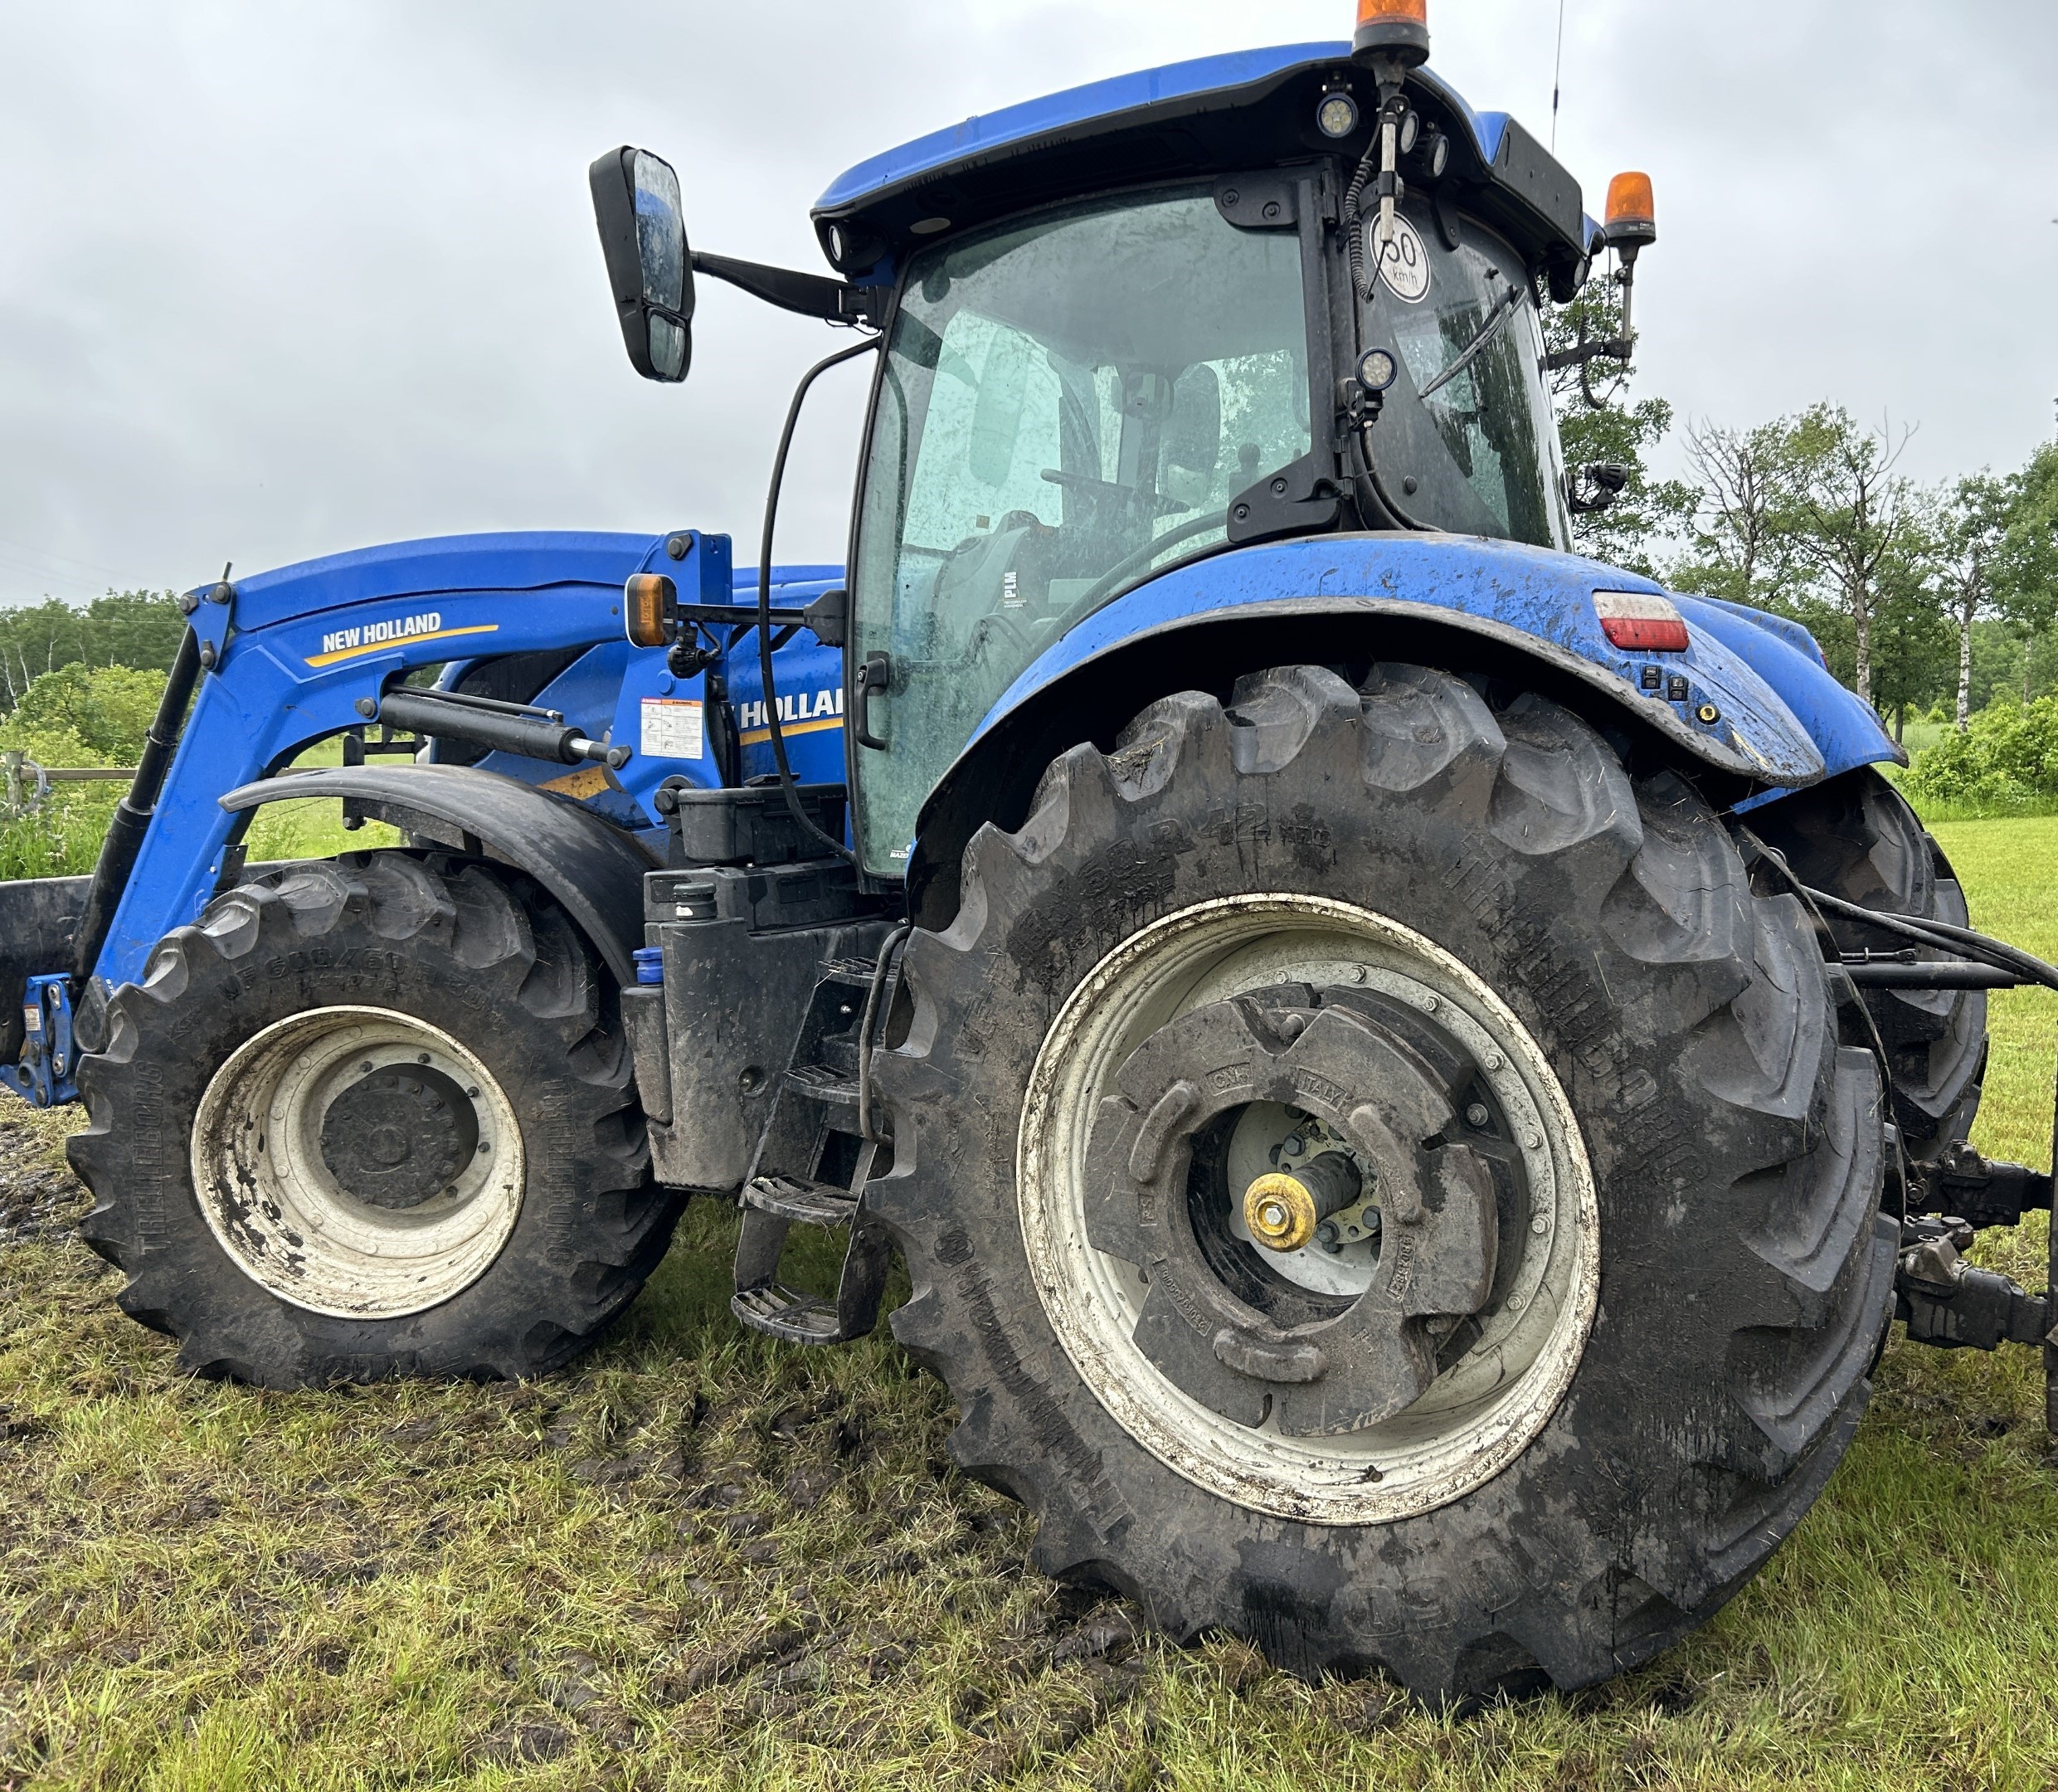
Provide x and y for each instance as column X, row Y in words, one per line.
column 786, row 788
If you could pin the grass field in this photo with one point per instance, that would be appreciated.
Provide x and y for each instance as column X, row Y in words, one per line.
column 701, row 1561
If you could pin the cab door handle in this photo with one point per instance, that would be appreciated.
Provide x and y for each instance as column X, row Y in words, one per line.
column 871, row 676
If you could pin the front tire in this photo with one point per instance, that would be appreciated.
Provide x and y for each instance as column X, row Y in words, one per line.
column 1855, row 837
column 368, row 1118
column 1625, row 1182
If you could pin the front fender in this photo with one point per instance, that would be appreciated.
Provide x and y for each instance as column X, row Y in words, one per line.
column 1780, row 720
column 591, row 869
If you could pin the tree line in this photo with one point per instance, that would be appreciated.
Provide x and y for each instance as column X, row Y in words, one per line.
column 1924, row 597
column 139, row 630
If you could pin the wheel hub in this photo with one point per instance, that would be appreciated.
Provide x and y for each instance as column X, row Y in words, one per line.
column 1390, row 1088
column 1132, row 1190
column 399, row 1137
column 358, row 1162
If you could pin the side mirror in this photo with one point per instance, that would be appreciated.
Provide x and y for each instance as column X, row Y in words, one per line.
column 643, row 233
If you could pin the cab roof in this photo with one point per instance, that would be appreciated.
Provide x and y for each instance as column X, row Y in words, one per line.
column 1212, row 115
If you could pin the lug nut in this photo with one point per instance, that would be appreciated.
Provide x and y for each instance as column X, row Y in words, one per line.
column 1477, row 1114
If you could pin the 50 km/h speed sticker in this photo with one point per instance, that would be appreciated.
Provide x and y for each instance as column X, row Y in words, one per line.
column 1404, row 264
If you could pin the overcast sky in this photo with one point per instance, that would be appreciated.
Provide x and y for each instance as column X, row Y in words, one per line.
column 277, row 280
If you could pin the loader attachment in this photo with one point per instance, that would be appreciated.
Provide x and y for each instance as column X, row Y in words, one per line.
column 39, row 928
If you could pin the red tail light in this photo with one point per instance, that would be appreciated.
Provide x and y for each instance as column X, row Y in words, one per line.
column 1637, row 622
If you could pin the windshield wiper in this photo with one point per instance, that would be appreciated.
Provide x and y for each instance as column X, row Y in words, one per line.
column 1504, row 308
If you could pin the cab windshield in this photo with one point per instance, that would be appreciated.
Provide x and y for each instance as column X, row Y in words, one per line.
column 1070, row 404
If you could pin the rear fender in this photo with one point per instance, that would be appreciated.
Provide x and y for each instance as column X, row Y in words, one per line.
column 1501, row 608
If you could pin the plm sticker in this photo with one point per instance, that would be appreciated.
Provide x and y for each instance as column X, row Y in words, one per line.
column 1404, row 263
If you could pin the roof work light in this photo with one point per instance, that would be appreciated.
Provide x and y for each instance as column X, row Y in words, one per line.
column 1337, row 113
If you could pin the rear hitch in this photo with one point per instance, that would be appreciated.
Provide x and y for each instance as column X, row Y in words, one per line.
column 1947, row 1302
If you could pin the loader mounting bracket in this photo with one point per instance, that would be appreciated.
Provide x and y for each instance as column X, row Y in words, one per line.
column 47, row 1074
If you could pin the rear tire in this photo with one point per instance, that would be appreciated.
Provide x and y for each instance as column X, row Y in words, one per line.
column 1855, row 837
column 368, row 1118
column 1614, row 1473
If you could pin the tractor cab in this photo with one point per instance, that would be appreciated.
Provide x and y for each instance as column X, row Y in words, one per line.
column 1155, row 319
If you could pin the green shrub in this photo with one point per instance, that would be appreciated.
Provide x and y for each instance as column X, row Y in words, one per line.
column 75, row 716
column 2005, row 763
column 78, row 716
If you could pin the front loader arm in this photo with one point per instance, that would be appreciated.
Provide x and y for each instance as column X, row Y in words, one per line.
column 294, row 652
column 286, row 658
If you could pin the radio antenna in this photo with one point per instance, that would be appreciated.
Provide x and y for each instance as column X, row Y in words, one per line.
column 1557, row 77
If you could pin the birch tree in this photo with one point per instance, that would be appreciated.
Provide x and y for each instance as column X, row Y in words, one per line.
column 1975, row 531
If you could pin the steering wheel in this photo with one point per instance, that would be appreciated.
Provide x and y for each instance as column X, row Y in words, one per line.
column 1097, row 594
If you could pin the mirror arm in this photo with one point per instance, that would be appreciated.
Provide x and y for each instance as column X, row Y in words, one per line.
column 810, row 294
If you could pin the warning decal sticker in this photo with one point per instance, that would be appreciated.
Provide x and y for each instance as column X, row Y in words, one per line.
column 674, row 727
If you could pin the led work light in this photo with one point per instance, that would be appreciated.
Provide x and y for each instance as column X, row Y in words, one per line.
column 1377, row 369
column 1337, row 115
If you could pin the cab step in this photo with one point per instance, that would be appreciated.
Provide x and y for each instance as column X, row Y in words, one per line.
column 800, row 1200
column 824, row 1082
column 811, row 1166
column 791, row 1318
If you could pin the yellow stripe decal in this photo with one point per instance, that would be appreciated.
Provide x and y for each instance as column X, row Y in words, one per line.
column 399, row 640
column 589, row 782
column 758, row 737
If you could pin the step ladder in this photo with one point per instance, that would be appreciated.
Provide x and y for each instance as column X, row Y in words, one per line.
column 811, row 1168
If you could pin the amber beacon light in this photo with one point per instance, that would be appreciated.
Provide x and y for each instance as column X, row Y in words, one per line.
column 1632, row 213
column 1395, row 28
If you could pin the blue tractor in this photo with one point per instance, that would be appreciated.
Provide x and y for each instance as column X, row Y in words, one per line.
column 1410, row 1071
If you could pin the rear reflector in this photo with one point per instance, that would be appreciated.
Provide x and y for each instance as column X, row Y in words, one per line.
column 1637, row 622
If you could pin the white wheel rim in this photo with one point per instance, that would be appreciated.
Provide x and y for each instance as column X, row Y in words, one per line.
column 1482, row 1413
column 284, row 1221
